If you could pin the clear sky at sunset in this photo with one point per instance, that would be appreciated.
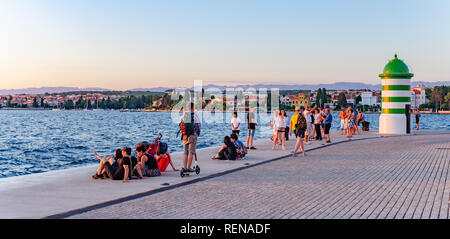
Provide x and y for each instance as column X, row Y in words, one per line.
column 121, row 45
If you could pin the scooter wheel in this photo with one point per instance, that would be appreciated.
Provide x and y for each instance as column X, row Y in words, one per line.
column 197, row 170
column 182, row 173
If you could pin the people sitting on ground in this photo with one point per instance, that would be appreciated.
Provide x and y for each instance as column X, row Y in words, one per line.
column 134, row 169
column 163, row 159
column 147, row 163
column 112, row 161
column 122, row 169
column 241, row 150
column 227, row 151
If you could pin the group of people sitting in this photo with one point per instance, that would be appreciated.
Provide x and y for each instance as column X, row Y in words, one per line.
column 232, row 148
column 123, row 166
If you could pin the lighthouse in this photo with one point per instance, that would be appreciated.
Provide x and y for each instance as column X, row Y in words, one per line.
column 395, row 95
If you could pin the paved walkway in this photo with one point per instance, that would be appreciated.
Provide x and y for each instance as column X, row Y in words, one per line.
column 52, row 193
column 389, row 177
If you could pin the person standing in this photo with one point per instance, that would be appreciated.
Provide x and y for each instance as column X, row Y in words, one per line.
column 317, row 120
column 418, row 116
column 361, row 118
column 343, row 116
column 190, row 128
column 349, row 122
column 322, row 123
column 328, row 119
column 251, row 125
column 309, row 128
column 235, row 124
column 298, row 124
column 280, row 124
column 286, row 132
column 273, row 126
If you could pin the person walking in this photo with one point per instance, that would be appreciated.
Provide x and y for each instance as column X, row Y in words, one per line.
column 328, row 119
column 235, row 124
column 298, row 124
column 251, row 125
column 190, row 128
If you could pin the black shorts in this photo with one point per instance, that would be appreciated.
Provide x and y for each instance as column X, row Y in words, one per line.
column 299, row 133
column 236, row 132
column 327, row 128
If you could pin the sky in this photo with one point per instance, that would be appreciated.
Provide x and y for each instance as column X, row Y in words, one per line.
column 121, row 45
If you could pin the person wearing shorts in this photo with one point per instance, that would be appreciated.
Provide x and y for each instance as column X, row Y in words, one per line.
column 418, row 116
column 190, row 141
column 299, row 133
column 280, row 125
column 327, row 124
column 251, row 125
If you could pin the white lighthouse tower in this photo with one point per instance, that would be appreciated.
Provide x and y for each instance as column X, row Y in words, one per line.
column 396, row 83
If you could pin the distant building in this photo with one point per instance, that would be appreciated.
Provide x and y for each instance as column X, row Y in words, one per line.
column 302, row 100
column 418, row 96
column 367, row 98
column 157, row 103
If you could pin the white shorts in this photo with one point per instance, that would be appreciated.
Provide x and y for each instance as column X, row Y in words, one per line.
column 343, row 124
column 309, row 129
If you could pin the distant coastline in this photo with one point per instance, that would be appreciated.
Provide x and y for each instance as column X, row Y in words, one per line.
column 442, row 112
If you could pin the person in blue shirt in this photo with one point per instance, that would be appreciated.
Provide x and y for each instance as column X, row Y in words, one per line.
column 328, row 121
column 240, row 148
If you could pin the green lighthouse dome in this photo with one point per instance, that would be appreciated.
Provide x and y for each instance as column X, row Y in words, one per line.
column 396, row 69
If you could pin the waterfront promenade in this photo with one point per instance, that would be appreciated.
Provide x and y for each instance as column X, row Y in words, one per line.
column 366, row 177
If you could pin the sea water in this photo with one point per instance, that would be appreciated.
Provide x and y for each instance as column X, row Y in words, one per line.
column 40, row 141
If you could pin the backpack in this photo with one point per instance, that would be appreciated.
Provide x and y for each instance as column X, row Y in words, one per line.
column 187, row 128
column 162, row 148
column 301, row 122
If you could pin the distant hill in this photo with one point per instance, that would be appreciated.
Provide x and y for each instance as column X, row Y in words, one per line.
column 334, row 86
column 43, row 90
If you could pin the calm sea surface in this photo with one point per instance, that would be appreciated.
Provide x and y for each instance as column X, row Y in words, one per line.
column 40, row 141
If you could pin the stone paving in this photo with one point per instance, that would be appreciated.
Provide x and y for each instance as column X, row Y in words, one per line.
column 391, row 177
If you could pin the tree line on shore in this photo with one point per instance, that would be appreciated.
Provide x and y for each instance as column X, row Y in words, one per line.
column 438, row 96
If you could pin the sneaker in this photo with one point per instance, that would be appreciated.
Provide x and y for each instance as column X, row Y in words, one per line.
column 96, row 176
column 191, row 170
column 252, row 147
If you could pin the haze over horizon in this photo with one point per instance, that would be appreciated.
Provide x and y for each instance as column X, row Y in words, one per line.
column 145, row 44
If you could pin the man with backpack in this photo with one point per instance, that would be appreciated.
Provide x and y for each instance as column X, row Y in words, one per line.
column 190, row 130
column 299, row 126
